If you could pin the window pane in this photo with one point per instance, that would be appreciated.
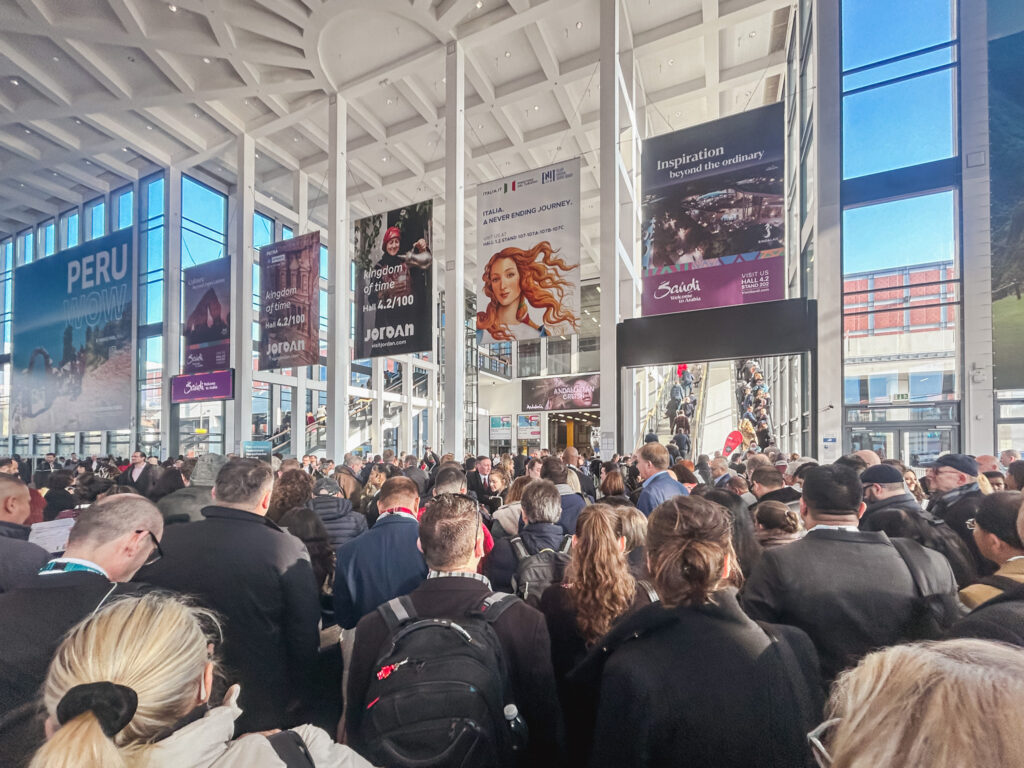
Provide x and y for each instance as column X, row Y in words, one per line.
column 874, row 30
column 898, row 125
column 125, row 203
column 286, row 231
column 899, row 233
column 73, row 230
column 262, row 230
column 900, row 68
column 203, row 222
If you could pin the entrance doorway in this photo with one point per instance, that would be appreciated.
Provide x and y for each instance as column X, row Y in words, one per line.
column 914, row 446
column 579, row 429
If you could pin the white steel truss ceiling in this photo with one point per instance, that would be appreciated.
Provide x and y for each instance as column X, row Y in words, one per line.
column 96, row 93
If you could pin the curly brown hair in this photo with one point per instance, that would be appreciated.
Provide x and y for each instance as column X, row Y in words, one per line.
column 598, row 575
column 293, row 489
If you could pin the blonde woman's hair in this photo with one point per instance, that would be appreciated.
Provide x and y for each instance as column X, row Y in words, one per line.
column 945, row 704
column 157, row 646
column 983, row 484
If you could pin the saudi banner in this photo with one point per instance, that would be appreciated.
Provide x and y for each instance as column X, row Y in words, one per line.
column 528, row 254
column 72, row 333
column 290, row 302
column 394, row 282
column 713, row 214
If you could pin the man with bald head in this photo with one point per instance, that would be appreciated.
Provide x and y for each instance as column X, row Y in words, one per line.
column 870, row 457
column 19, row 558
column 987, row 463
column 571, row 459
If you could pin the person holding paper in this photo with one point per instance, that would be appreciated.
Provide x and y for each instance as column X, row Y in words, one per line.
column 19, row 558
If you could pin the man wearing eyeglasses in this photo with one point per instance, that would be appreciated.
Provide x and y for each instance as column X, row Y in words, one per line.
column 953, row 479
column 109, row 542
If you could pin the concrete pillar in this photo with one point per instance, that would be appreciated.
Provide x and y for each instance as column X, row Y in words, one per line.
column 300, row 200
column 172, row 312
column 339, row 357
column 454, row 250
column 241, row 250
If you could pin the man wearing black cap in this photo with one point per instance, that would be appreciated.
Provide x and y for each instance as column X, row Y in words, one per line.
column 893, row 510
column 851, row 591
column 995, row 532
column 956, row 497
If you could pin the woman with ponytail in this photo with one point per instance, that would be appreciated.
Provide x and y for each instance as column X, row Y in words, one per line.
column 691, row 680
column 777, row 524
column 598, row 589
column 130, row 688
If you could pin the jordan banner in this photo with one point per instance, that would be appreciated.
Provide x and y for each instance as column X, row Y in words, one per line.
column 713, row 214
column 528, row 254
column 207, row 326
column 395, row 282
column 71, row 365
column 290, row 302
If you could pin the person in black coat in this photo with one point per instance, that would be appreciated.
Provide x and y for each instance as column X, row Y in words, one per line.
column 851, row 591
column 260, row 580
column 541, row 509
column 109, row 542
column 335, row 511
column 691, row 680
column 139, row 475
column 1000, row 618
column 453, row 589
column 953, row 483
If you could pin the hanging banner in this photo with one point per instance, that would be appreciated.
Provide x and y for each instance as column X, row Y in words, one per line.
column 72, row 339
column 395, row 282
column 207, row 326
column 528, row 427
column 198, row 387
column 562, row 393
column 290, row 302
column 501, row 428
column 528, row 253
column 713, row 213
column 1006, row 176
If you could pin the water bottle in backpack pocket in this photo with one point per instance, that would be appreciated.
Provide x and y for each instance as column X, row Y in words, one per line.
column 440, row 690
column 535, row 573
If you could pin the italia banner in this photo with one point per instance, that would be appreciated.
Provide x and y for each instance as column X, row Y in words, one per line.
column 528, row 253
column 72, row 339
column 290, row 302
column 394, row 282
column 713, row 214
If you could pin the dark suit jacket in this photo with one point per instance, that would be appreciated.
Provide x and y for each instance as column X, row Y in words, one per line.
column 259, row 579
column 702, row 686
column 524, row 640
column 375, row 567
column 850, row 591
column 145, row 482
column 476, row 484
column 36, row 616
column 586, row 483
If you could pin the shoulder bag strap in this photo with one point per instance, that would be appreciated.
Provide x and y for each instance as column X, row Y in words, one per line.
column 566, row 544
column 292, row 750
column 909, row 555
column 1004, row 583
column 647, row 587
column 496, row 604
column 397, row 612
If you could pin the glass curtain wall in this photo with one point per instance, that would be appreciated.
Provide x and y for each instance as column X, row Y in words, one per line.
column 900, row 194
column 151, row 256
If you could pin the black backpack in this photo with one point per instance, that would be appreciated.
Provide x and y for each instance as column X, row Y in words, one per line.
column 438, row 691
column 535, row 573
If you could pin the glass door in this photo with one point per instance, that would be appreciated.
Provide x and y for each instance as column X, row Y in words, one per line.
column 884, row 442
column 924, row 445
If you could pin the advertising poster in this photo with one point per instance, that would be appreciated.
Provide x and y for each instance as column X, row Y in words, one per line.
column 528, row 427
column 395, row 282
column 207, row 326
column 713, row 214
column 1006, row 143
column 72, row 331
column 562, row 393
column 501, row 428
column 528, row 254
column 290, row 302
column 198, row 387
column 257, row 449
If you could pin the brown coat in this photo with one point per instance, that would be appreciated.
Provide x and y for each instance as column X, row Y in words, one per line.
column 350, row 485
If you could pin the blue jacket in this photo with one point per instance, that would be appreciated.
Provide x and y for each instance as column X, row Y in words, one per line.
column 375, row 567
column 500, row 565
column 661, row 487
column 572, row 504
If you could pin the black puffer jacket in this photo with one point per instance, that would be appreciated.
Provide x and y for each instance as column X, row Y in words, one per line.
column 341, row 521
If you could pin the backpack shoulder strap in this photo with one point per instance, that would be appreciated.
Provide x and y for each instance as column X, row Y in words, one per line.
column 910, row 556
column 518, row 548
column 647, row 587
column 496, row 604
column 566, row 544
column 1004, row 583
column 397, row 612
column 292, row 750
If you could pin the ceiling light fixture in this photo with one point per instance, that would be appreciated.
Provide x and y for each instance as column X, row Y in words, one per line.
column 56, row 58
column 479, row 4
column 753, row 34
column 508, row 54
column 124, row 149
column 172, row 8
column 28, row 131
column 536, row 107
column 149, row 127
column 579, row 25
column 671, row 62
column 15, row 81
column 206, row 59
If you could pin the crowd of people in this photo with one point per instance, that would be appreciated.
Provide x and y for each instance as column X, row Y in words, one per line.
column 543, row 609
column 755, row 403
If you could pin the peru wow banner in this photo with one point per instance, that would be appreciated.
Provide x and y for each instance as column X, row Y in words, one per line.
column 290, row 302
column 72, row 339
column 528, row 254
column 713, row 214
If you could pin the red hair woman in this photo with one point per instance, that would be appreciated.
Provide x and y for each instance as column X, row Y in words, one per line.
column 517, row 281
